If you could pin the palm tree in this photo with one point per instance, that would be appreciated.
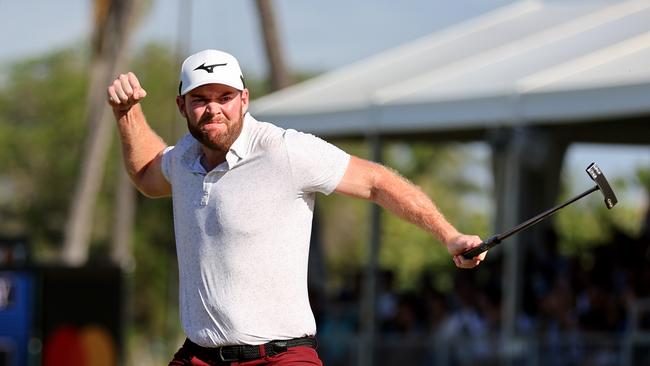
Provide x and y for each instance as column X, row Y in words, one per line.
column 113, row 21
column 279, row 76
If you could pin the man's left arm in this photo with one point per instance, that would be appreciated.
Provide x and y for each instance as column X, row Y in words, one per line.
column 372, row 181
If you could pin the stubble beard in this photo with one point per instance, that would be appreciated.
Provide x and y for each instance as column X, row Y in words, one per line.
column 221, row 142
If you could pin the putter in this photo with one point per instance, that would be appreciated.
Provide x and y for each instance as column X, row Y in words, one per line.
column 601, row 184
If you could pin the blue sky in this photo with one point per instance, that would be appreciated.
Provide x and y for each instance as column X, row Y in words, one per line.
column 317, row 35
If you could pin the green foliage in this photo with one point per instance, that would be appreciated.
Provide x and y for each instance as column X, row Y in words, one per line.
column 42, row 104
column 345, row 229
column 42, row 131
column 406, row 250
column 439, row 171
column 588, row 223
column 643, row 177
column 157, row 71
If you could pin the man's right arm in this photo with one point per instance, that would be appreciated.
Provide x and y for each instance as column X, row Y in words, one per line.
column 142, row 148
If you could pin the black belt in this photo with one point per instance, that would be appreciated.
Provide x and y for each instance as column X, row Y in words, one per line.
column 248, row 352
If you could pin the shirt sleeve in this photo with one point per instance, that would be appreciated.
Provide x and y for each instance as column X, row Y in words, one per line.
column 166, row 162
column 317, row 166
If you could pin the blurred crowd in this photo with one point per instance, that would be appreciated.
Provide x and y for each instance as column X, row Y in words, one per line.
column 565, row 301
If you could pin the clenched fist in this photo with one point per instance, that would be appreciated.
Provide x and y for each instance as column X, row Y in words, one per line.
column 125, row 92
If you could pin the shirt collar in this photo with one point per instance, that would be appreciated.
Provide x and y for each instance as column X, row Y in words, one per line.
column 241, row 147
column 238, row 151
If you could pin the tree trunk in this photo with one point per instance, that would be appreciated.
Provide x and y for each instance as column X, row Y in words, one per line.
column 279, row 76
column 123, row 220
column 113, row 20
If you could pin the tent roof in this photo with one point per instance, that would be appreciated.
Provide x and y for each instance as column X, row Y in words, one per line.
column 526, row 63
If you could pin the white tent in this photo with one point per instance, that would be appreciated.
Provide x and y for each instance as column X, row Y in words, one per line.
column 528, row 63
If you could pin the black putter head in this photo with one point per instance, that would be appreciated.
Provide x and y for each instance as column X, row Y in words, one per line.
column 597, row 175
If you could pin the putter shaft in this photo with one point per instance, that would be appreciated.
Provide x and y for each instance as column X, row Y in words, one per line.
column 491, row 242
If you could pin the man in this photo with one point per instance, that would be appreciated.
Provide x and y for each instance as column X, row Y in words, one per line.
column 243, row 196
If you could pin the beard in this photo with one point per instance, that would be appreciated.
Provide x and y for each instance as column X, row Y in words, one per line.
column 221, row 142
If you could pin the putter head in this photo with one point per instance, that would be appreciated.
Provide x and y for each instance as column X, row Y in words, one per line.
column 597, row 176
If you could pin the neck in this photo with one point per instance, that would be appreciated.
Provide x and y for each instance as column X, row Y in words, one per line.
column 211, row 158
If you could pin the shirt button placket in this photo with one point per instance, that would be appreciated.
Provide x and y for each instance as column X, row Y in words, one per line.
column 206, row 190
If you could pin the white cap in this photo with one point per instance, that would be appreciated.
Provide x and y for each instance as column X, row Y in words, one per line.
column 210, row 67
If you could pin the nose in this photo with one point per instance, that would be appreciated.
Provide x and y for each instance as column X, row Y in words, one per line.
column 213, row 107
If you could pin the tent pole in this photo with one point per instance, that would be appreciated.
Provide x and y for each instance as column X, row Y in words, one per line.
column 369, row 303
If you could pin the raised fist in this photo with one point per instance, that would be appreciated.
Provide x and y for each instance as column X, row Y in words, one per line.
column 125, row 92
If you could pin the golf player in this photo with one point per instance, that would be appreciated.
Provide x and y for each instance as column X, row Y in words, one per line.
column 243, row 198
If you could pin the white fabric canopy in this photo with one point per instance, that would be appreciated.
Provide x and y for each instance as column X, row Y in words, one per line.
column 529, row 62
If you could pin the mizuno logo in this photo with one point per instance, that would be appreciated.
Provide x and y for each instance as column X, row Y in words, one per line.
column 209, row 68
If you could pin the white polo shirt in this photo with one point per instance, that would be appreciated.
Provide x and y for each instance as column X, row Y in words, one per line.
column 243, row 231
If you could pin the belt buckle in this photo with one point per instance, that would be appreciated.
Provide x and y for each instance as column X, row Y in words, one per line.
column 279, row 346
column 221, row 356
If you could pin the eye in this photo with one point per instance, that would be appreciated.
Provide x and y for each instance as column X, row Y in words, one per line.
column 226, row 98
column 198, row 101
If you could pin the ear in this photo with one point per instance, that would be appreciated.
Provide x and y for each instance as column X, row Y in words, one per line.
column 180, row 103
column 244, row 100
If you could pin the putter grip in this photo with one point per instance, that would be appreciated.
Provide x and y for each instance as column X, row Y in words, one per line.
column 485, row 245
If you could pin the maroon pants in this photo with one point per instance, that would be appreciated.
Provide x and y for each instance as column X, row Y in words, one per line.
column 294, row 356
